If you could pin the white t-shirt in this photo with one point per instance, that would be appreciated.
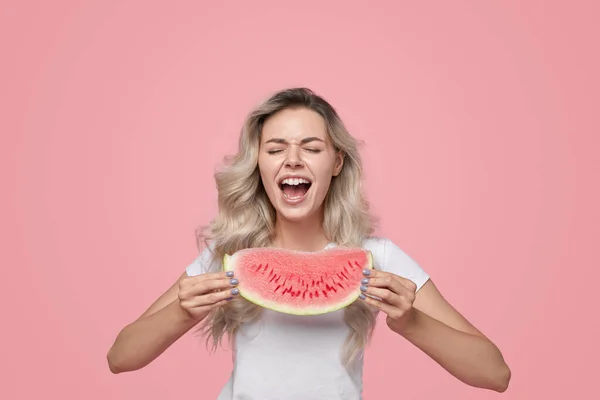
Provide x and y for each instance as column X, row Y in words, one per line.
column 290, row 357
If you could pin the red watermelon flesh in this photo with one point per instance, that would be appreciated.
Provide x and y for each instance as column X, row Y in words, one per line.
column 300, row 283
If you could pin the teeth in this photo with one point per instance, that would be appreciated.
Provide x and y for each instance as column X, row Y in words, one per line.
column 294, row 181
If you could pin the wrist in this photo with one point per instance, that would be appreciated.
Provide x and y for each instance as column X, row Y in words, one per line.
column 182, row 315
column 409, row 324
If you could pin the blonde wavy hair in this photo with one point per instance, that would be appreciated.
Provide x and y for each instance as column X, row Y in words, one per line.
column 246, row 218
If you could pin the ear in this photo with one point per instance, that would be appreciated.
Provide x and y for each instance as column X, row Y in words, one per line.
column 339, row 162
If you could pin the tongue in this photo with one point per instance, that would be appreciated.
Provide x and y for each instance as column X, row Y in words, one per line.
column 295, row 190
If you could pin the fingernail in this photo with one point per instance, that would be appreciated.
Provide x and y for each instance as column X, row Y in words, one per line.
column 233, row 281
column 229, row 298
column 229, row 274
column 363, row 288
column 365, row 281
column 366, row 272
column 362, row 296
column 235, row 291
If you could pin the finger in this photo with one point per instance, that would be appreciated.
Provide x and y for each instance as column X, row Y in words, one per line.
column 218, row 304
column 384, row 294
column 208, row 286
column 387, row 279
column 210, row 299
column 386, row 282
column 380, row 305
column 194, row 280
column 203, row 310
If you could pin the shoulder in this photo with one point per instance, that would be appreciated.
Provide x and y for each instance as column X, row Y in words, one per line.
column 389, row 257
column 375, row 244
column 204, row 262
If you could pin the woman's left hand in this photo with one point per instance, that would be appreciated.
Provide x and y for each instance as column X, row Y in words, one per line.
column 397, row 295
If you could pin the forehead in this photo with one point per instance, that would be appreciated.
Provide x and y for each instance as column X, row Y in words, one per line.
column 294, row 124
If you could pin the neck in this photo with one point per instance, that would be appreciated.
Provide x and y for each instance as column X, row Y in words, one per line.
column 307, row 235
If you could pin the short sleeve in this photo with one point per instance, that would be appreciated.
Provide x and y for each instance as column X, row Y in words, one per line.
column 203, row 263
column 396, row 261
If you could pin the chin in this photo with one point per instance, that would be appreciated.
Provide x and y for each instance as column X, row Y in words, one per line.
column 293, row 213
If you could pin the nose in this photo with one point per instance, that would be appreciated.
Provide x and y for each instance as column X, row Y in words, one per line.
column 293, row 158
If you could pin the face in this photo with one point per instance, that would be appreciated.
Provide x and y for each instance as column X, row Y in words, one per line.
column 297, row 161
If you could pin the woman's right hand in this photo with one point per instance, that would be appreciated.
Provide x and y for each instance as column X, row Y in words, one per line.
column 199, row 294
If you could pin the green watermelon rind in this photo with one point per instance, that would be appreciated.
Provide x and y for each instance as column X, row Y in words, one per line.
column 228, row 265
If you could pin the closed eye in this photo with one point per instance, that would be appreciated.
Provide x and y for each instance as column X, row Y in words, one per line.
column 275, row 151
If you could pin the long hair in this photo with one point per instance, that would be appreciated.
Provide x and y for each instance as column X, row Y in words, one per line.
column 246, row 217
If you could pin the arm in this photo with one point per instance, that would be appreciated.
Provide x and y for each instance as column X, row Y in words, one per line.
column 429, row 322
column 447, row 337
column 143, row 340
column 182, row 306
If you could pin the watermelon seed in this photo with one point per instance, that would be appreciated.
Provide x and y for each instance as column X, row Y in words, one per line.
column 277, row 288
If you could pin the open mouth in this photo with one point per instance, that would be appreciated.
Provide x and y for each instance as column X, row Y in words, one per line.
column 294, row 188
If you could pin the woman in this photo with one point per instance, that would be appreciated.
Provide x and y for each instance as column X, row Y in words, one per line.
column 296, row 184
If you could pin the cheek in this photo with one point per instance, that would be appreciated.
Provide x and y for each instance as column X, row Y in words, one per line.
column 268, row 164
column 323, row 169
column 264, row 176
column 267, row 175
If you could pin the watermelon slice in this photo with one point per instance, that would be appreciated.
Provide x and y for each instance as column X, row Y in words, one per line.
column 299, row 283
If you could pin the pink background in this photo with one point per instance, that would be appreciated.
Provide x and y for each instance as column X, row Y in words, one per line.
column 480, row 123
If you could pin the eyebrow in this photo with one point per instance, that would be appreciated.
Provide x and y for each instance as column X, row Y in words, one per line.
column 303, row 141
